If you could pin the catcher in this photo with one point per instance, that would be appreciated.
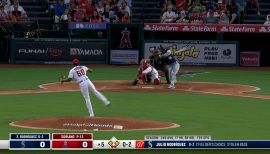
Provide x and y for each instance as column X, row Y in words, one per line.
column 147, row 74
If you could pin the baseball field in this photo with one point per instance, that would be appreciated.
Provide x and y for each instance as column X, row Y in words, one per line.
column 226, row 103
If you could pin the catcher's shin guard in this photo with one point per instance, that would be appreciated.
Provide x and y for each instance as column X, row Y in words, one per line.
column 156, row 81
column 143, row 78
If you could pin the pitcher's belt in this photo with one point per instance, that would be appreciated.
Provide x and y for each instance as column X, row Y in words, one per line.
column 84, row 80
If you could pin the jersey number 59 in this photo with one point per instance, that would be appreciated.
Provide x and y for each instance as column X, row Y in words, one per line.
column 80, row 72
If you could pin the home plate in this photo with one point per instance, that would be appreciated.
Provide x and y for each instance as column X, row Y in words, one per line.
column 148, row 87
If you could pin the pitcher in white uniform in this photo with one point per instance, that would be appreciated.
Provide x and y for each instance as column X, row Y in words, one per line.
column 79, row 74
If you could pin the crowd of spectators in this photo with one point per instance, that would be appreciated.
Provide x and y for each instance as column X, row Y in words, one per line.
column 94, row 11
column 11, row 11
column 205, row 11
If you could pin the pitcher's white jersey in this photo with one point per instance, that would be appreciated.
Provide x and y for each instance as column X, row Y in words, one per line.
column 151, row 70
column 78, row 73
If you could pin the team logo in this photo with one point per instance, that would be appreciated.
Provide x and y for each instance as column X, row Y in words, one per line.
column 23, row 144
column 190, row 51
column 65, row 145
column 139, row 144
column 227, row 52
column 113, row 142
column 125, row 40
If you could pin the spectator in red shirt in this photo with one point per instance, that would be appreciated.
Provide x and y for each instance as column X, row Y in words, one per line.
column 90, row 9
column 182, row 4
column 95, row 18
column 83, row 3
column 80, row 15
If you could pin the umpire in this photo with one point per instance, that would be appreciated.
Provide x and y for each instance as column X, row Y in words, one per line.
column 156, row 62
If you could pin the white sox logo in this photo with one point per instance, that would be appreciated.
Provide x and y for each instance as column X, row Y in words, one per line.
column 125, row 40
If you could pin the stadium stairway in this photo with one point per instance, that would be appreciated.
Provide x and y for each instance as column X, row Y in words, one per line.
column 251, row 13
column 145, row 11
column 36, row 12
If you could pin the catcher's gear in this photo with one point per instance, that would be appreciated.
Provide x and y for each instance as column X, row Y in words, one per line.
column 135, row 82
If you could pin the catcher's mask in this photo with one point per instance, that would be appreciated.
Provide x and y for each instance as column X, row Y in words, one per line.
column 143, row 62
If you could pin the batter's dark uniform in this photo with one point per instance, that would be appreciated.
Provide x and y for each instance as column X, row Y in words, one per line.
column 155, row 61
column 173, row 67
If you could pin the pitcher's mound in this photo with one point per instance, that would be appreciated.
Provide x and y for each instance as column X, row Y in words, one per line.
column 93, row 123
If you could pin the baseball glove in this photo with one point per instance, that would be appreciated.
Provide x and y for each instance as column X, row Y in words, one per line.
column 135, row 82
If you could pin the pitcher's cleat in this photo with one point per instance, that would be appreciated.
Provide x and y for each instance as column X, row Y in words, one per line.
column 107, row 103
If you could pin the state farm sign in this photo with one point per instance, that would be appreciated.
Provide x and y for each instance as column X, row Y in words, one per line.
column 232, row 28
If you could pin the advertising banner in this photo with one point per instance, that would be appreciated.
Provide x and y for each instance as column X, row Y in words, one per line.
column 86, row 25
column 198, row 52
column 250, row 59
column 60, row 52
column 124, row 42
column 227, row 28
column 124, row 56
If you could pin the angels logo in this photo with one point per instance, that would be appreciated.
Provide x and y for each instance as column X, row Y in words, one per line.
column 125, row 40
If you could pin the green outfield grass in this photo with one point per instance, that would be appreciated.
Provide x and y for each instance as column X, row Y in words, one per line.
column 222, row 117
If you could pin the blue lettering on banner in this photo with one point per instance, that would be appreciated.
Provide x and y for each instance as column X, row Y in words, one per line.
column 225, row 144
column 86, row 25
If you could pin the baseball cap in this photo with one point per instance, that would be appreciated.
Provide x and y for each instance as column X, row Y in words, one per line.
column 75, row 61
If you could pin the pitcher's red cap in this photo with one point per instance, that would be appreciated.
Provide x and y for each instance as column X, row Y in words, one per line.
column 75, row 61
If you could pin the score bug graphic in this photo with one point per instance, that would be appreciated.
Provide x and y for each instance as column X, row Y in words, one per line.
column 139, row 144
column 113, row 142
column 29, row 141
column 74, row 141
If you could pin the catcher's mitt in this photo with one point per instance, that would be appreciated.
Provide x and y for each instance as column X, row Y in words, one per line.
column 135, row 82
